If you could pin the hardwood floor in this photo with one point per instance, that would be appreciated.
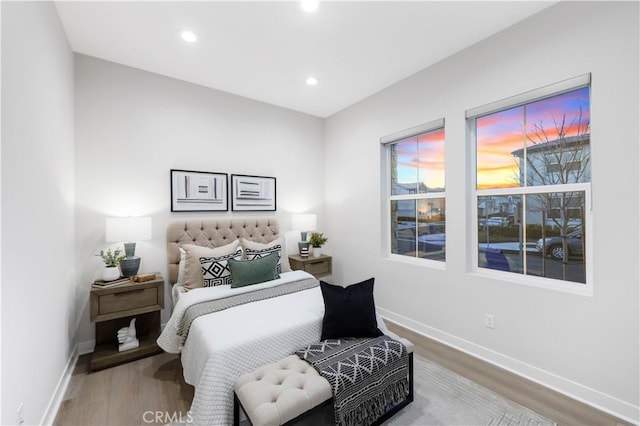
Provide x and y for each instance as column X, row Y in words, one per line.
column 549, row 403
column 149, row 391
column 152, row 391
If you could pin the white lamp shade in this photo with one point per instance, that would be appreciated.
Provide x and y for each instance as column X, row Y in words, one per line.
column 120, row 229
column 303, row 222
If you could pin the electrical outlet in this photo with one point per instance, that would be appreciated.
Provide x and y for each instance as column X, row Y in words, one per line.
column 488, row 320
column 20, row 415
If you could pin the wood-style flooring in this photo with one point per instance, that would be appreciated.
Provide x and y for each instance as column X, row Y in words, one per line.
column 549, row 403
column 151, row 391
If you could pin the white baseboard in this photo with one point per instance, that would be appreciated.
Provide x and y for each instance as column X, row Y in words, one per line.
column 50, row 413
column 574, row 390
column 86, row 347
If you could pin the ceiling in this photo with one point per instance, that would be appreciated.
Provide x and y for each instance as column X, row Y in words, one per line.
column 265, row 50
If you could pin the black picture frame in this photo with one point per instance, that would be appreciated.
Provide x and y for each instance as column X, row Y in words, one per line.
column 194, row 191
column 253, row 193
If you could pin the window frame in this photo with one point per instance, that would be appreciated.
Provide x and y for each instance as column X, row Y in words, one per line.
column 385, row 143
column 475, row 193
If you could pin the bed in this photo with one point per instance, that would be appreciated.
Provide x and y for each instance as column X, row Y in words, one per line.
column 223, row 345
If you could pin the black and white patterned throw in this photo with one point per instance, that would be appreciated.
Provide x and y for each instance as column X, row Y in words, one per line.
column 367, row 375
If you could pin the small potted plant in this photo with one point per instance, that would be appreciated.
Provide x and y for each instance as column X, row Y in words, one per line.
column 111, row 261
column 317, row 240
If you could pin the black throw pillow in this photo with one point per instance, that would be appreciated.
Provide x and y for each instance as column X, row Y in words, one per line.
column 349, row 311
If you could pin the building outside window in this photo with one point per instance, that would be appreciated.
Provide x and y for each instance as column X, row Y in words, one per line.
column 417, row 204
column 533, row 174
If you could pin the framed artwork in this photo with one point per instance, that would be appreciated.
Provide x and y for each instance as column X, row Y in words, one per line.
column 193, row 191
column 253, row 193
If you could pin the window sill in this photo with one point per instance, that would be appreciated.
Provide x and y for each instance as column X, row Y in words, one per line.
column 428, row 263
column 532, row 281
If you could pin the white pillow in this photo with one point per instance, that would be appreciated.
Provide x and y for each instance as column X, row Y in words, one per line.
column 253, row 250
column 181, row 266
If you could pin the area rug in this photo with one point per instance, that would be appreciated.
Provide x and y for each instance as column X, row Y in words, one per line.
column 442, row 397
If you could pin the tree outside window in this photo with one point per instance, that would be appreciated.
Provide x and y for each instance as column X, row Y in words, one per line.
column 533, row 173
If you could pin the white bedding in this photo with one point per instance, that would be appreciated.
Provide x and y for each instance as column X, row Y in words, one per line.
column 176, row 291
column 224, row 345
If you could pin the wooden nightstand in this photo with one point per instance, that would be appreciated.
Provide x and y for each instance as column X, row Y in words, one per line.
column 113, row 308
column 316, row 266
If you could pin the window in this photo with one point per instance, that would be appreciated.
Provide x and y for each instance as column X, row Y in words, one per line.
column 417, row 204
column 533, row 174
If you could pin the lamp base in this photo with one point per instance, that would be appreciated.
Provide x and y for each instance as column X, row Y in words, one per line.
column 129, row 266
column 303, row 248
column 129, row 250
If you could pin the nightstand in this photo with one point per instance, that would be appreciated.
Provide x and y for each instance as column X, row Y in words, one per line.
column 316, row 266
column 113, row 308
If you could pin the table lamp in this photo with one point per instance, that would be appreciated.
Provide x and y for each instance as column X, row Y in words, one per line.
column 303, row 222
column 128, row 230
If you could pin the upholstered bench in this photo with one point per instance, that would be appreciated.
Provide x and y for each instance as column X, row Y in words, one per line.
column 279, row 392
column 285, row 391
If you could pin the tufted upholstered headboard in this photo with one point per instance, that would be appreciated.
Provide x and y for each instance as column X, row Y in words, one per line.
column 215, row 233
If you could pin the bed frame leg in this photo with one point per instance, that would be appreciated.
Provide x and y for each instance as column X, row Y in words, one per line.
column 236, row 410
column 410, row 396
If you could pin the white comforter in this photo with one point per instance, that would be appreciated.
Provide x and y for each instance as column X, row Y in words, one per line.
column 224, row 345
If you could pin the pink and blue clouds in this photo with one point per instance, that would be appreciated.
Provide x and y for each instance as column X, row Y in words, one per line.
column 501, row 133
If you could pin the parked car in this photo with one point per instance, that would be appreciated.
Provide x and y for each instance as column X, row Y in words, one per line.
column 553, row 245
column 497, row 221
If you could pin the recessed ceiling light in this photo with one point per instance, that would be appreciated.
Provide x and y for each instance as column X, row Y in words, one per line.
column 309, row 5
column 189, row 36
column 312, row 81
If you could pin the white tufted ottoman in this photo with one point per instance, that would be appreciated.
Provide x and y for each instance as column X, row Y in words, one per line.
column 279, row 392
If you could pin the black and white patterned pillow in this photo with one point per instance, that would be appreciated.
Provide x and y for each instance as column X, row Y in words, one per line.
column 251, row 254
column 215, row 270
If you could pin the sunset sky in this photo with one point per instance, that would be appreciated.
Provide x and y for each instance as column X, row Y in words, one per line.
column 421, row 158
column 501, row 133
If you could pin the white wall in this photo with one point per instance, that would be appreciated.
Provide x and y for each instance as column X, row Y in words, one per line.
column 585, row 346
column 133, row 126
column 37, row 208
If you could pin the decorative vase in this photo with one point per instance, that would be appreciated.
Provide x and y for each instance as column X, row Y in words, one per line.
column 129, row 266
column 110, row 273
column 316, row 251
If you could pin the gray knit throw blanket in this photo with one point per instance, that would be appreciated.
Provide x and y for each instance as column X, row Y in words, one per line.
column 367, row 375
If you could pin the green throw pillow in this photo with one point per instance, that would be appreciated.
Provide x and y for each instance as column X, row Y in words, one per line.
column 247, row 272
